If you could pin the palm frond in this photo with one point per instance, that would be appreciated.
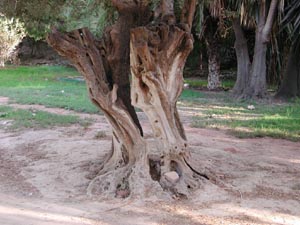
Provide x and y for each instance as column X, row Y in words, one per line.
column 291, row 19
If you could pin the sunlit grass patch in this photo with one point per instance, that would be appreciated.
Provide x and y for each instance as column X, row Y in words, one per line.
column 191, row 95
column 17, row 119
column 52, row 86
column 63, row 87
column 202, row 83
column 278, row 121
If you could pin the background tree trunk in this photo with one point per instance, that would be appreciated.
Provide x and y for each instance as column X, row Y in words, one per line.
column 212, row 44
column 290, row 86
column 258, row 77
column 243, row 60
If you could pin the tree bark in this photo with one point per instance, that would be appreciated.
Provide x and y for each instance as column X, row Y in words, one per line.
column 105, row 65
column 258, row 85
column 290, row 86
column 212, row 44
column 157, row 56
column 243, row 60
column 258, row 82
column 128, row 145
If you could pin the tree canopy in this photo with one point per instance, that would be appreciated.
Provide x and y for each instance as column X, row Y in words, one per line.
column 39, row 16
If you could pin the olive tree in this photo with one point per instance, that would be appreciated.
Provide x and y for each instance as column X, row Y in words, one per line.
column 148, row 40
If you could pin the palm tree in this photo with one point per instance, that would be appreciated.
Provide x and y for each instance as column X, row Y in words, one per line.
column 251, row 79
column 265, row 15
column 207, row 27
column 290, row 86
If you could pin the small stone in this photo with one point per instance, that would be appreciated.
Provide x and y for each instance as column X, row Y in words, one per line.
column 186, row 85
column 172, row 177
column 251, row 107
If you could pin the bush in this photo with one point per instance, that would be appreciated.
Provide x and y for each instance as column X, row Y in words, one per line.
column 11, row 34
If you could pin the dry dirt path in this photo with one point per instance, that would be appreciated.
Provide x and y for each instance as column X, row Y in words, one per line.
column 43, row 179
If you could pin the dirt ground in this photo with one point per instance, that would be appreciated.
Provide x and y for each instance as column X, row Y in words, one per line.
column 43, row 179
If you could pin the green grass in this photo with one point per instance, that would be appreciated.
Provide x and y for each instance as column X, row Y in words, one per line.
column 56, row 86
column 190, row 95
column 52, row 86
column 201, row 83
column 16, row 119
column 267, row 119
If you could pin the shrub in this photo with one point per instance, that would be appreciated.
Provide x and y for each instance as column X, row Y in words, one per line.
column 11, row 34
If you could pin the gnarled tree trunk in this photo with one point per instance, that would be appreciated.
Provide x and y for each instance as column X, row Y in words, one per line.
column 158, row 54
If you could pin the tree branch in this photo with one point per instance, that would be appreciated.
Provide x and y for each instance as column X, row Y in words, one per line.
column 167, row 7
column 270, row 20
column 187, row 13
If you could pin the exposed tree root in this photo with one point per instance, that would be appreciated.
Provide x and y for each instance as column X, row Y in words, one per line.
column 133, row 179
column 140, row 179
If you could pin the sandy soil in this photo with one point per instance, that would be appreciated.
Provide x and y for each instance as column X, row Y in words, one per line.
column 43, row 180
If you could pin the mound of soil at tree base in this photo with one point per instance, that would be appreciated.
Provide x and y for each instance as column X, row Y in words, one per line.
column 32, row 52
column 43, row 180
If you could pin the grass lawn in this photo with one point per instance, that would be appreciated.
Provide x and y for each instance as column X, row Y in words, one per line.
column 220, row 111
column 16, row 119
column 56, row 86
column 52, row 86
column 201, row 83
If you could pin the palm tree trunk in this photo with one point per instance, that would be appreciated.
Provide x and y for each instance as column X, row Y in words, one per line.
column 290, row 86
column 213, row 52
column 258, row 82
column 243, row 60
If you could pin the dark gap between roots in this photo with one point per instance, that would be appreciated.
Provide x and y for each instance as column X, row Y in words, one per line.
column 195, row 171
column 155, row 168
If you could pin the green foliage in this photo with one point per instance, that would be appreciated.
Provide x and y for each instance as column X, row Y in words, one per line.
column 40, row 15
column 89, row 13
column 37, row 15
column 291, row 20
column 11, row 33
